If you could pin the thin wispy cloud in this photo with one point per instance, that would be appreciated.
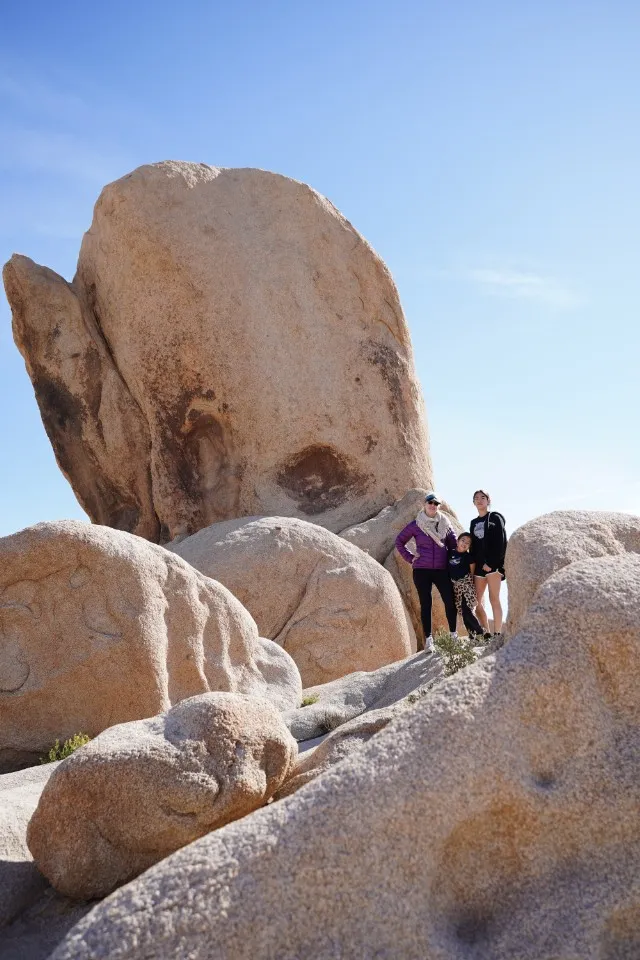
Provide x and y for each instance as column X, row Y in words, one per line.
column 54, row 143
column 36, row 97
column 49, row 130
column 521, row 285
column 63, row 154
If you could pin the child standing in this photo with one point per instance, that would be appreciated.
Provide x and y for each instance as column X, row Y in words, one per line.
column 461, row 571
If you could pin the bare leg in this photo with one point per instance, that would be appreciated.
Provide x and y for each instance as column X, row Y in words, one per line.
column 481, row 613
column 495, row 580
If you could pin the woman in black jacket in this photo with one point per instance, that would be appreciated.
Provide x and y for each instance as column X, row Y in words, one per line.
column 488, row 545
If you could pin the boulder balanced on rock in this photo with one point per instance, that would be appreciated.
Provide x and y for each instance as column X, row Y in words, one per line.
column 331, row 606
column 496, row 818
column 100, row 627
column 199, row 367
column 141, row 790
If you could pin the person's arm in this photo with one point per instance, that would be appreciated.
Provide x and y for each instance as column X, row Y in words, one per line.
column 403, row 537
column 472, row 568
column 451, row 541
column 476, row 547
column 496, row 542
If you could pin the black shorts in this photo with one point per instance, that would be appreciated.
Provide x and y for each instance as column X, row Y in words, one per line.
column 482, row 573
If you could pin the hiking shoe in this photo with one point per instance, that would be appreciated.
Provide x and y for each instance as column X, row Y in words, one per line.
column 454, row 635
column 429, row 645
column 487, row 636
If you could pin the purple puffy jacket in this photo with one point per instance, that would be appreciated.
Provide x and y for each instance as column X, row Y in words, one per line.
column 430, row 555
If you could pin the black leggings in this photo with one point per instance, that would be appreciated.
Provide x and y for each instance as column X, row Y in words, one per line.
column 471, row 622
column 424, row 581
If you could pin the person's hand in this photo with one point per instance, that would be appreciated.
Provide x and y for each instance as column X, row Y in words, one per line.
column 486, row 567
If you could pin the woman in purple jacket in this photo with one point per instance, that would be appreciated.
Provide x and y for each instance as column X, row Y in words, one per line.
column 434, row 537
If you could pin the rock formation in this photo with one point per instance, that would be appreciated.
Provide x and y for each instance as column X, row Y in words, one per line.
column 100, row 627
column 199, row 366
column 144, row 789
column 496, row 818
column 377, row 535
column 332, row 607
column 330, row 705
column 542, row 546
column 336, row 747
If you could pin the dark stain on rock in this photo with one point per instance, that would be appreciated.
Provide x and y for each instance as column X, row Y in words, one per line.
column 60, row 410
column 392, row 370
column 63, row 416
column 319, row 478
column 370, row 443
column 199, row 453
column 472, row 928
column 92, row 386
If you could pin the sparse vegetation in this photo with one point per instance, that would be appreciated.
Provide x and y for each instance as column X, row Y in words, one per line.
column 58, row 752
column 421, row 692
column 308, row 700
column 457, row 652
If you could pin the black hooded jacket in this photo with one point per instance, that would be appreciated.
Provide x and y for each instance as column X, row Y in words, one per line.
column 489, row 540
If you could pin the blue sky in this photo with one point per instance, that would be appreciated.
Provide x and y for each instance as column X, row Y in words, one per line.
column 489, row 152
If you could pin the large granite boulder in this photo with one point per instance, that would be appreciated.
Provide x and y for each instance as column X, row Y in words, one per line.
column 142, row 790
column 100, row 627
column 542, row 546
column 199, row 366
column 497, row 818
column 331, row 606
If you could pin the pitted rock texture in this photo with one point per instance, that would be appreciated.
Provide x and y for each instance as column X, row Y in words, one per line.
column 99, row 627
column 144, row 789
column 331, row 606
column 497, row 818
column 199, row 366
column 542, row 546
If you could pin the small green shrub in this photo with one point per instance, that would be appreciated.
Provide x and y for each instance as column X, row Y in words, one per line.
column 58, row 752
column 457, row 652
column 308, row 700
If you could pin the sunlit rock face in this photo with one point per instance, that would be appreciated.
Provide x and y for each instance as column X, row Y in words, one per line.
column 98, row 627
column 230, row 346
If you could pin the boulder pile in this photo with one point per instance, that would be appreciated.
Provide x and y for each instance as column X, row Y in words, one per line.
column 228, row 384
column 100, row 627
column 496, row 818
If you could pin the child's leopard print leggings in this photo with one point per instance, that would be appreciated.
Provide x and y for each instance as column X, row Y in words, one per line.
column 465, row 590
